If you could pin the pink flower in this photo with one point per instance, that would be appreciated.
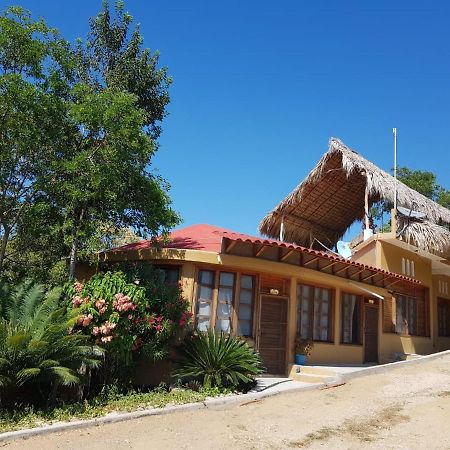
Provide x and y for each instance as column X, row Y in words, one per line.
column 123, row 303
column 106, row 339
column 158, row 328
column 87, row 320
column 130, row 316
column 101, row 306
column 107, row 327
column 96, row 331
column 78, row 286
column 76, row 301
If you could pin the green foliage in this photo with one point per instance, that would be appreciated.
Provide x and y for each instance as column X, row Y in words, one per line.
column 109, row 400
column 424, row 182
column 78, row 130
column 33, row 119
column 129, row 320
column 218, row 360
column 37, row 351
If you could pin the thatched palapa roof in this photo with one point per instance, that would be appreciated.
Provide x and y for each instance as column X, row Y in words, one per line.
column 332, row 197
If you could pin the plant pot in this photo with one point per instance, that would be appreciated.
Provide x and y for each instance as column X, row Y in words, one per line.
column 300, row 360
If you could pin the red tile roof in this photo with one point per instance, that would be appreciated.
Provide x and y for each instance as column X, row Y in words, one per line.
column 209, row 238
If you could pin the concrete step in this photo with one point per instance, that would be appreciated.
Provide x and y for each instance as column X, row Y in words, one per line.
column 311, row 374
column 399, row 356
column 309, row 378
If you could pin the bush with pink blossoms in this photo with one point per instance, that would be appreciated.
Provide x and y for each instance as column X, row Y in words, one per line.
column 129, row 319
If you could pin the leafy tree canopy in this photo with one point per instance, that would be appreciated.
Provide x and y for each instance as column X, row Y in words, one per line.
column 80, row 127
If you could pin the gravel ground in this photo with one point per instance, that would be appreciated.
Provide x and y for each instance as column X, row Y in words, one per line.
column 408, row 408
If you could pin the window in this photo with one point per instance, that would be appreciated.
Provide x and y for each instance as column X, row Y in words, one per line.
column 408, row 267
column 245, row 306
column 351, row 319
column 315, row 313
column 443, row 287
column 230, row 296
column 169, row 274
column 204, row 299
column 443, row 318
column 225, row 302
column 406, row 314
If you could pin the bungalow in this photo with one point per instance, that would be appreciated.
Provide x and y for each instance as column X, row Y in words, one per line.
column 391, row 296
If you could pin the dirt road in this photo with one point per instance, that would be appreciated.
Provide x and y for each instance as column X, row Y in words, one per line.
column 408, row 408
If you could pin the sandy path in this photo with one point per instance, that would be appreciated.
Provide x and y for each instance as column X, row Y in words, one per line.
column 408, row 408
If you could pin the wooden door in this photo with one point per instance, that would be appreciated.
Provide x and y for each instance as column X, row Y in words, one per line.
column 273, row 334
column 370, row 332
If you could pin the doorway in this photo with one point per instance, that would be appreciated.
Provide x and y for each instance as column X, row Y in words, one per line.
column 370, row 331
column 273, row 333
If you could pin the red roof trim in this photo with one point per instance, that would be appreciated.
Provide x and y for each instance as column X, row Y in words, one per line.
column 210, row 238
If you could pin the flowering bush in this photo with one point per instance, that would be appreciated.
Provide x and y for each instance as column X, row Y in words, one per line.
column 128, row 318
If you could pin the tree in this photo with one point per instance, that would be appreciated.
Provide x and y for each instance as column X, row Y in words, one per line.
column 33, row 125
column 425, row 183
column 118, row 101
column 80, row 128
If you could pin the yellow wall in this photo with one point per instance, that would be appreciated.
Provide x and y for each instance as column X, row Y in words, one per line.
column 329, row 353
column 366, row 255
column 390, row 257
column 441, row 343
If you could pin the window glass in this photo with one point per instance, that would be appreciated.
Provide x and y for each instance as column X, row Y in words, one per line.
column 205, row 292
column 204, row 299
column 225, row 301
column 444, row 318
column 207, row 277
column 351, row 319
column 202, row 324
column 406, row 314
column 245, row 313
column 204, row 308
column 314, row 313
column 226, row 279
column 247, row 282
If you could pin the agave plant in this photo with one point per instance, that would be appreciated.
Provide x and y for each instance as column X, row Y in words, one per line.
column 37, row 350
column 218, row 360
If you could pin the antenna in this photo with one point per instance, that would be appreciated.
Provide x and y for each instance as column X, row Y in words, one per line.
column 394, row 130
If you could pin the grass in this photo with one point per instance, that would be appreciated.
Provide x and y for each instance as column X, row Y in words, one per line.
column 106, row 402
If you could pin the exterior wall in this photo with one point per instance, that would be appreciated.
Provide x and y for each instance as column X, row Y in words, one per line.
column 441, row 343
column 391, row 260
column 329, row 353
column 367, row 254
column 388, row 256
column 394, row 343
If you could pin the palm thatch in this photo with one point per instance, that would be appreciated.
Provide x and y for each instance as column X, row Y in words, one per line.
column 332, row 197
column 428, row 236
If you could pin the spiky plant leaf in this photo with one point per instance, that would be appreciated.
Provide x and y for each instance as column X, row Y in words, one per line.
column 36, row 348
column 218, row 360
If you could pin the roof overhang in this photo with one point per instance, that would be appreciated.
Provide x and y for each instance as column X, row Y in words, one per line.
column 317, row 260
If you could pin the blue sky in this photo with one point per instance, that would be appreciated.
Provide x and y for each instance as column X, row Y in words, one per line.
column 260, row 86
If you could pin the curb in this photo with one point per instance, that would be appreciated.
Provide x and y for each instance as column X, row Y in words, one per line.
column 213, row 402
column 125, row 416
column 383, row 368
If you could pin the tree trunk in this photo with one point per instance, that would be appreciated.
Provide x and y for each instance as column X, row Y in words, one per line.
column 74, row 248
column 73, row 258
column 3, row 244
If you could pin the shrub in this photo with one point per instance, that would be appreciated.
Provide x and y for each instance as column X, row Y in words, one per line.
column 38, row 353
column 128, row 319
column 218, row 360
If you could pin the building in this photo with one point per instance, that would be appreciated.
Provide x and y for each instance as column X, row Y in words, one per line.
column 391, row 297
